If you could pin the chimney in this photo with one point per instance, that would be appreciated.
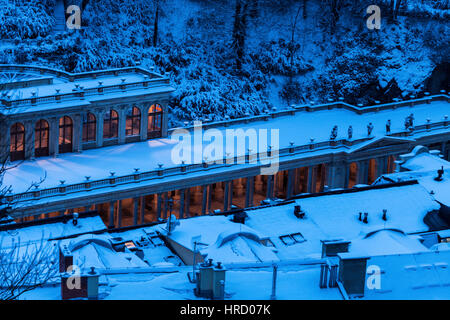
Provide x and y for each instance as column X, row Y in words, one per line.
column 65, row 258
column 440, row 173
column 298, row 212
column 75, row 285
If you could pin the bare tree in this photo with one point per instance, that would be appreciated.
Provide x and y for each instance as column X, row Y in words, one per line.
column 292, row 47
column 241, row 14
column 156, row 22
column 25, row 267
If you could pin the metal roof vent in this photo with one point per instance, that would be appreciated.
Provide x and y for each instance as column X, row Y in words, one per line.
column 299, row 213
column 440, row 173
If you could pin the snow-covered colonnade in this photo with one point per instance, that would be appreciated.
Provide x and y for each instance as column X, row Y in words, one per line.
column 135, row 182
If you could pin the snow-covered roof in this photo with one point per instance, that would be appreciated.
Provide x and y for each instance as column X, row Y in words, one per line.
column 421, row 275
column 384, row 242
column 54, row 230
column 317, row 124
column 64, row 90
column 335, row 216
column 93, row 250
column 425, row 169
column 225, row 241
column 299, row 283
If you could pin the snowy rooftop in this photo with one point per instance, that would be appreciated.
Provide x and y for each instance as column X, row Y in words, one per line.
column 314, row 122
column 420, row 275
column 34, row 232
column 225, row 241
column 393, row 242
column 328, row 217
column 62, row 89
column 425, row 169
column 300, row 283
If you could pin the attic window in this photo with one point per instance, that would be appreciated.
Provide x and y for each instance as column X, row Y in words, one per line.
column 291, row 239
column 130, row 245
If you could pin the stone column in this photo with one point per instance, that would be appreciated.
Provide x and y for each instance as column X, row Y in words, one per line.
column 77, row 133
column 166, row 205
column 158, row 207
column 119, row 213
column 111, row 215
column 210, row 187
column 143, row 210
column 445, row 151
column 54, row 136
column 381, row 166
column 269, row 194
column 135, row 211
column 165, row 114
column 204, row 199
column 311, row 180
column 29, row 139
column 363, row 172
column 182, row 203
column 249, row 192
column 230, row 199
column 99, row 118
column 337, row 175
column 144, row 121
column 122, row 124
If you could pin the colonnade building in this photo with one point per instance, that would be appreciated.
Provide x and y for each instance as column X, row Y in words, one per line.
column 99, row 140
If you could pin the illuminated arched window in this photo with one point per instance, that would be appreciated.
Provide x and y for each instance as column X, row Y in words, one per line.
column 154, row 121
column 133, row 122
column 89, row 127
column 41, row 139
column 372, row 171
column 110, row 125
column 352, row 174
column 17, row 146
column 65, row 134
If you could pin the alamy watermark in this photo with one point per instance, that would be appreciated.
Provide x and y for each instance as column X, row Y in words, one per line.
column 230, row 146
column 74, row 280
column 373, row 281
column 374, row 20
column 74, row 20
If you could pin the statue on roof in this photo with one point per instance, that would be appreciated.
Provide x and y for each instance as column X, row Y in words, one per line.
column 369, row 128
column 334, row 133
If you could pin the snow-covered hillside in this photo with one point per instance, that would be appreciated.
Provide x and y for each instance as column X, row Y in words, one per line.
column 292, row 51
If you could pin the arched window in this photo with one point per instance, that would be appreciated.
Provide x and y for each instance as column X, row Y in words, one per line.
column 133, row 123
column 154, row 121
column 41, row 139
column 17, row 147
column 352, row 174
column 89, row 127
column 110, row 125
column 65, row 134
